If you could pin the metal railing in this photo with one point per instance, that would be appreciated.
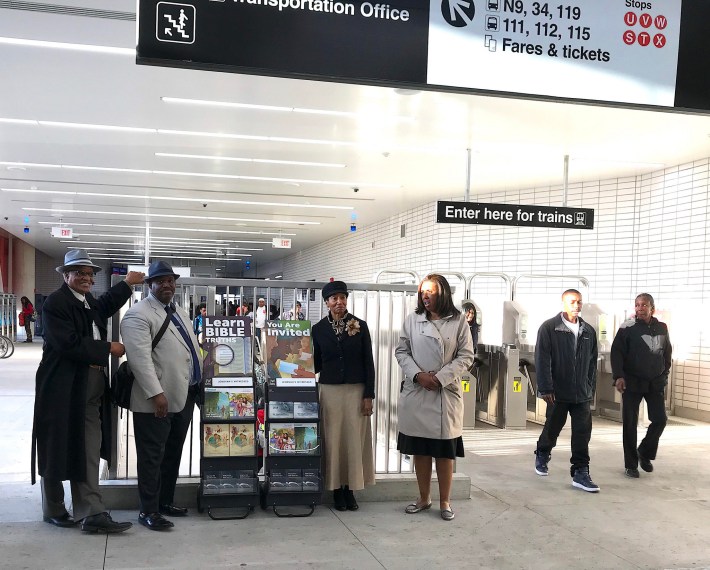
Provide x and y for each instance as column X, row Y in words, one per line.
column 383, row 306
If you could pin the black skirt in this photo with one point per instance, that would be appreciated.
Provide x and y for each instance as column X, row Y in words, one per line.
column 437, row 448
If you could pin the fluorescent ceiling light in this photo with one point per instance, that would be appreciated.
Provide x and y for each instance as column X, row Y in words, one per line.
column 174, row 229
column 257, row 160
column 186, row 257
column 211, row 175
column 31, row 164
column 169, row 198
column 68, row 46
column 183, row 217
column 95, row 127
column 156, row 246
column 136, row 259
column 153, row 238
column 19, row 121
column 165, row 254
column 280, row 109
column 376, row 144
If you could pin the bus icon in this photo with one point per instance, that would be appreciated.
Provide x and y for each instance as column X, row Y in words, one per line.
column 493, row 6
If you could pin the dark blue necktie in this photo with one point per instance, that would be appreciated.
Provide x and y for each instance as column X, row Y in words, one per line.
column 196, row 376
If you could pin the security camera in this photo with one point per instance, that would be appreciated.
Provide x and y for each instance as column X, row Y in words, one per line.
column 356, row 189
column 204, row 205
column 6, row 218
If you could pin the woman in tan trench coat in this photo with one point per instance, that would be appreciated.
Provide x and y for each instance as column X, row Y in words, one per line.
column 434, row 349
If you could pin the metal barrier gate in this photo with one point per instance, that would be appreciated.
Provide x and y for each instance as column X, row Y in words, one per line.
column 8, row 316
column 383, row 306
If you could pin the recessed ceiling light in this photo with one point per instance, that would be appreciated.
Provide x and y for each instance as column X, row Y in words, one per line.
column 257, row 160
column 68, row 46
column 205, row 175
column 177, row 229
column 179, row 216
column 176, row 199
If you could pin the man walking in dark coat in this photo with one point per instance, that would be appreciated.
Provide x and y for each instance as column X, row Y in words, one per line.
column 640, row 363
column 72, row 406
column 566, row 368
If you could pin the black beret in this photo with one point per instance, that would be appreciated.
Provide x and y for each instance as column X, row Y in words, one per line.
column 333, row 288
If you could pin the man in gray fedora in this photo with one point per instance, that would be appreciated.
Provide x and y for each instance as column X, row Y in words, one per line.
column 72, row 428
column 164, row 393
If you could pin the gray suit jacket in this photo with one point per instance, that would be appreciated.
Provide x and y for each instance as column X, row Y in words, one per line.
column 167, row 368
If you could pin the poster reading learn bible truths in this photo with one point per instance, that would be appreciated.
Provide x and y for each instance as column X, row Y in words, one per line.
column 228, row 346
column 289, row 354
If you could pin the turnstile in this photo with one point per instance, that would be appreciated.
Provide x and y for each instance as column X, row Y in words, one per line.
column 500, row 391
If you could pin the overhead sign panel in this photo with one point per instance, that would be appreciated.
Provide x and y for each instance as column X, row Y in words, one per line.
column 514, row 215
column 613, row 50
column 628, row 52
column 368, row 41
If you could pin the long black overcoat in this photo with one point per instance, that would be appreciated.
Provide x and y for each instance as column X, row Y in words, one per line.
column 61, row 383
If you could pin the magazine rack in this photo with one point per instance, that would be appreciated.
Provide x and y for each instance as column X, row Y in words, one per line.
column 292, row 458
column 292, row 461
column 228, row 458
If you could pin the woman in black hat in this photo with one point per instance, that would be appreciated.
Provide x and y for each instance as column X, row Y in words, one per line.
column 343, row 356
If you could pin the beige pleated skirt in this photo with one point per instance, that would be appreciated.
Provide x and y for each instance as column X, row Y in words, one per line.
column 348, row 437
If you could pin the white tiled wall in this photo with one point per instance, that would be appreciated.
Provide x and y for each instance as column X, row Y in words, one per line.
column 649, row 236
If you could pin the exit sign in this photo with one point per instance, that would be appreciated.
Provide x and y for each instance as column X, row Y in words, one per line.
column 281, row 243
column 63, row 233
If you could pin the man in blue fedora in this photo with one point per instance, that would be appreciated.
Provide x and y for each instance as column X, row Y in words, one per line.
column 71, row 428
column 166, row 387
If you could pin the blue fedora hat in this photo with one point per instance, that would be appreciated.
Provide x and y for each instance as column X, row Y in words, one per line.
column 77, row 258
column 160, row 269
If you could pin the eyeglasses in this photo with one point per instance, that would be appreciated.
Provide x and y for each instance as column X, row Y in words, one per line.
column 89, row 274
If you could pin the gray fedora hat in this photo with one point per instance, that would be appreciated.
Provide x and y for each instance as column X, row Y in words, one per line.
column 77, row 258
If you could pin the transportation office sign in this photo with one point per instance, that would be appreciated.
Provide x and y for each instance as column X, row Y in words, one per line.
column 369, row 41
column 628, row 52
column 622, row 51
column 514, row 215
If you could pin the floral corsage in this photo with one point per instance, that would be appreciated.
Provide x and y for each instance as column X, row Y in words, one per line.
column 353, row 327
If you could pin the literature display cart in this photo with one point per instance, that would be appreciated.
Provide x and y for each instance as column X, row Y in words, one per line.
column 228, row 461
column 292, row 460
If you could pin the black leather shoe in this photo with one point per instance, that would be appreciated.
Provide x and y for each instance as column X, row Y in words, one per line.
column 173, row 511
column 645, row 463
column 339, row 499
column 632, row 473
column 350, row 501
column 63, row 521
column 103, row 523
column 154, row 521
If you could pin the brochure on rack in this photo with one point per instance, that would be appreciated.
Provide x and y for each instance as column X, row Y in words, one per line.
column 289, row 354
column 228, row 346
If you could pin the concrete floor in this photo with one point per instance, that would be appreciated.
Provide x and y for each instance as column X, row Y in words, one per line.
column 514, row 518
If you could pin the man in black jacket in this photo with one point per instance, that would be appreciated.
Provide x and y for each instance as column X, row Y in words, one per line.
column 566, row 367
column 71, row 428
column 640, row 363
